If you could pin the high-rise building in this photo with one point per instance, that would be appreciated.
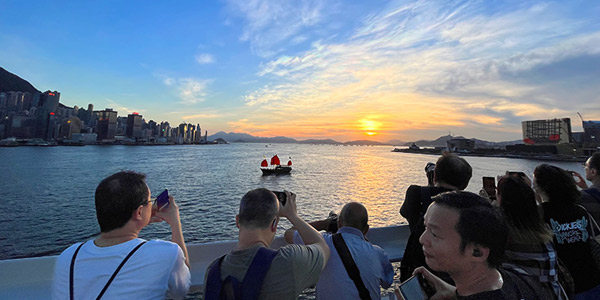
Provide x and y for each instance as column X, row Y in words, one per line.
column 68, row 127
column 107, row 125
column 134, row 125
column 45, row 114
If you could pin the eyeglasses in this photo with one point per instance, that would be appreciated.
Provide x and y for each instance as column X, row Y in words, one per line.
column 151, row 201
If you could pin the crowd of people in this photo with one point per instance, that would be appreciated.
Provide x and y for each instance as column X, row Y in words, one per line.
column 536, row 239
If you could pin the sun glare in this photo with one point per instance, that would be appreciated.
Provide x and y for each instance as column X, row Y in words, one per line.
column 369, row 126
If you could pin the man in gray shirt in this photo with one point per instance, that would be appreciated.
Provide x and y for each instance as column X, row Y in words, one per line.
column 294, row 268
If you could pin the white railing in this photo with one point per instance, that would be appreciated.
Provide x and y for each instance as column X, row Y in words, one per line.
column 31, row 278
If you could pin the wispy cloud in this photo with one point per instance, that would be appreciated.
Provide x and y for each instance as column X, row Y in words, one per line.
column 270, row 25
column 201, row 116
column 188, row 90
column 440, row 60
column 123, row 110
column 204, row 58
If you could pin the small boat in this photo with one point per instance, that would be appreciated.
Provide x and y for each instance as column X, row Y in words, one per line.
column 276, row 168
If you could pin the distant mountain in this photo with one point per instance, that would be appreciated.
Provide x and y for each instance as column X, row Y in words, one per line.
column 363, row 142
column 10, row 82
column 441, row 142
column 314, row 141
column 395, row 142
column 235, row 137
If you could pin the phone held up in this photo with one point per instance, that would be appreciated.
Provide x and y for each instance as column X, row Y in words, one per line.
column 162, row 201
column 489, row 185
column 416, row 288
column 281, row 196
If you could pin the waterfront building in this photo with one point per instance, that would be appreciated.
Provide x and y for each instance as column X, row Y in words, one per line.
column 46, row 115
column 107, row 125
column 460, row 145
column 68, row 127
column 134, row 126
column 553, row 136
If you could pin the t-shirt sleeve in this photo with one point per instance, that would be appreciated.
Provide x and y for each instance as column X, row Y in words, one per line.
column 180, row 277
column 307, row 263
column 298, row 239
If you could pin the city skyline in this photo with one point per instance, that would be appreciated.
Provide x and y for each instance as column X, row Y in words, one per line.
column 344, row 70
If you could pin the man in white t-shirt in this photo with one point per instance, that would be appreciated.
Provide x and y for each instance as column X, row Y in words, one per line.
column 118, row 264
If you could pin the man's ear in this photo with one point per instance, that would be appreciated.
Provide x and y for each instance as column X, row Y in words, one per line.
column 477, row 252
column 274, row 224
column 237, row 221
column 137, row 214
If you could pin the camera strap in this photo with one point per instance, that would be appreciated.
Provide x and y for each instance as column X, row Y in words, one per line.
column 72, row 269
column 350, row 265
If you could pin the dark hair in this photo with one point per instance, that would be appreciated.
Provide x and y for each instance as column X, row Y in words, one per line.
column 595, row 161
column 479, row 223
column 118, row 196
column 521, row 213
column 258, row 208
column 453, row 170
column 355, row 215
column 556, row 184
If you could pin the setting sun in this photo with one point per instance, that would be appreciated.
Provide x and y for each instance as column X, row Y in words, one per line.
column 371, row 133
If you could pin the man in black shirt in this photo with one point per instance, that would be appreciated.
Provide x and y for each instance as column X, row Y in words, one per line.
column 451, row 173
column 465, row 237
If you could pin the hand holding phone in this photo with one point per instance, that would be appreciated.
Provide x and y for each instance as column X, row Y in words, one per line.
column 489, row 185
column 416, row 288
column 162, row 201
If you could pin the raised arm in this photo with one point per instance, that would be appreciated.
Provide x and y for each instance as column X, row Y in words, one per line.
column 171, row 216
column 308, row 233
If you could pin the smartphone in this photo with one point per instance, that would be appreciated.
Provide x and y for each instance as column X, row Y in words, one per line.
column 416, row 288
column 517, row 174
column 489, row 185
column 281, row 196
column 162, row 201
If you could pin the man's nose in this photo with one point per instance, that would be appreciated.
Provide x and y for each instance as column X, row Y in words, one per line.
column 423, row 238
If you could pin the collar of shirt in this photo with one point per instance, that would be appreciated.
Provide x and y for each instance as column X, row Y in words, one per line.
column 351, row 230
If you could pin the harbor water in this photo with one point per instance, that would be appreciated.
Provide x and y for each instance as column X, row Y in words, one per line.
column 47, row 194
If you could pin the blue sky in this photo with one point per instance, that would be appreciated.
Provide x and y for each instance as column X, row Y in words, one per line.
column 346, row 70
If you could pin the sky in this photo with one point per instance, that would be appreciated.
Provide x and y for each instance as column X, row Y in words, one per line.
column 346, row 70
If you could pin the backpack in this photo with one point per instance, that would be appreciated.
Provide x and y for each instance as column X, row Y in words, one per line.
column 231, row 288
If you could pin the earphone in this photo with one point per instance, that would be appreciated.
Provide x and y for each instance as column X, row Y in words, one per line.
column 477, row 253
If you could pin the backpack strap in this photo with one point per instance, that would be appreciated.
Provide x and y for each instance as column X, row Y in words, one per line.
column 119, row 269
column 249, row 288
column 350, row 265
column 72, row 270
column 213, row 280
column 253, row 280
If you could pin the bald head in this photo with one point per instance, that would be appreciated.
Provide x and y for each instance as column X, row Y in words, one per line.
column 354, row 215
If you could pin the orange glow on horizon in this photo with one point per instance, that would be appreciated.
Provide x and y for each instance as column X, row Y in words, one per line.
column 370, row 133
